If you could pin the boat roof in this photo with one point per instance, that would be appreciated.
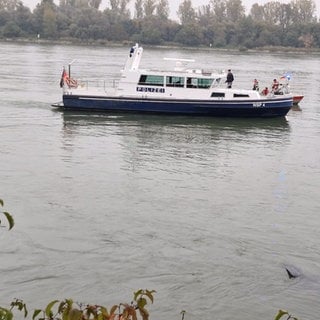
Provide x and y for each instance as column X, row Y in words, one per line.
column 183, row 72
column 180, row 69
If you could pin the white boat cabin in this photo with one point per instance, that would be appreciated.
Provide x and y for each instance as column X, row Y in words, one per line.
column 178, row 83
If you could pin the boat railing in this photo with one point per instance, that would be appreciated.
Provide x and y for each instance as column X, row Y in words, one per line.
column 98, row 83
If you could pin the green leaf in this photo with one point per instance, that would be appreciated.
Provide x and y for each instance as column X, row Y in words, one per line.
column 75, row 314
column 137, row 294
column 149, row 294
column 113, row 309
column 25, row 310
column 144, row 314
column 104, row 311
column 48, row 311
column 65, row 314
column 142, row 302
column 280, row 314
column 20, row 305
column 5, row 314
column 65, row 305
column 36, row 313
column 10, row 219
column 1, row 202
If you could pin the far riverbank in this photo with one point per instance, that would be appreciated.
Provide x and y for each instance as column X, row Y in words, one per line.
column 170, row 45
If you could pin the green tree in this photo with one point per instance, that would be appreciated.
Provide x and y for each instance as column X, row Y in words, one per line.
column 285, row 19
column 190, row 35
column 235, row 11
column 285, row 16
column 162, row 10
column 23, row 18
column 206, row 23
column 115, row 7
column 149, row 7
column 248, row 32
column 49, row 22
column 9, row 5
column 94, row 4
column 45, row 15
column 219, row 10
column 304, row 11
column 118, row 11
column 256, row 12
column 186, row 14
column 124, row 11
column 271, row 12
column 291, row 37
column 138, row 7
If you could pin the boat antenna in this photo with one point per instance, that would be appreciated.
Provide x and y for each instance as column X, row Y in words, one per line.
column 69, row 66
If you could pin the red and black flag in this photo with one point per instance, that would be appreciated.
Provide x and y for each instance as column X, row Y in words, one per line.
column 64, row 77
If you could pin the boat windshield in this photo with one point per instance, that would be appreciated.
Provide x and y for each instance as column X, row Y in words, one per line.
column 178, row 81
column 174, row 81
column 151, row 80
column 216, row 82
column 202, row 83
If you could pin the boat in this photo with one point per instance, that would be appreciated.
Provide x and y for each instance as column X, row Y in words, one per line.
column 297, row 99
column 179, row 91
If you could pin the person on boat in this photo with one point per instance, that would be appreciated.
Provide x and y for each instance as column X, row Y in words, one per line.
column 230, row 79
column 275, row 86
column 255, row 85
column 131, row 52
column 265, row 91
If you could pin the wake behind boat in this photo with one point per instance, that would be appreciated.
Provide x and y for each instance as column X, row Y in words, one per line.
column 180, row 91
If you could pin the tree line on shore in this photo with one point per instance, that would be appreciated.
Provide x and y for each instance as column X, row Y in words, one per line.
column 218, row 24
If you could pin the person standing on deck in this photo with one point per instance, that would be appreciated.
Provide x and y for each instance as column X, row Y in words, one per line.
column 275, row 86
column 255, row 85
column 230, row 79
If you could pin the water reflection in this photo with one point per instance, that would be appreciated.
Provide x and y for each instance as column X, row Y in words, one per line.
column 76, row 119
column 296, row 107
column 188, row 142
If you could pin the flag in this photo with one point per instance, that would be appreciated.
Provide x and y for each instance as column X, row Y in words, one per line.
column 64, row 77
column 286, row 76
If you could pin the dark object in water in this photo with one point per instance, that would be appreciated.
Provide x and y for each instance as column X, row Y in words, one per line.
column 291, row 274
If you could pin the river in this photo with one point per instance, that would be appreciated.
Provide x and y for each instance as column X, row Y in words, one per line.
column 207, row 212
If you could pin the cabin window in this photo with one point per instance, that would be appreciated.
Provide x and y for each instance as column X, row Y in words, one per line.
column 202, row 83
column 240, row 95
column 175, row 81
column 151, row 80
column 217, row 95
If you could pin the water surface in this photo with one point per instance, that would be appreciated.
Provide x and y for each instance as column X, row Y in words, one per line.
column 207, row 212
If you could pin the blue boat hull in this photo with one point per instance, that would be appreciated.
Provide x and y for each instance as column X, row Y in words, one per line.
column 261, row 108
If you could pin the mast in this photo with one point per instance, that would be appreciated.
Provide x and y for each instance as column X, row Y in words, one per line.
column 133, row 61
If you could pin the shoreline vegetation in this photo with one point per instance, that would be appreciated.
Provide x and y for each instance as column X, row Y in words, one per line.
column 100, row 43
column 220, row 24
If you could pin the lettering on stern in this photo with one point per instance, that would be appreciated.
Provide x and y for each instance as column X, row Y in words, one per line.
column 150, row 89
column 258, row 104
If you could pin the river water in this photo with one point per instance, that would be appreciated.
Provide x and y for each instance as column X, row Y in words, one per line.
column 207, row 212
